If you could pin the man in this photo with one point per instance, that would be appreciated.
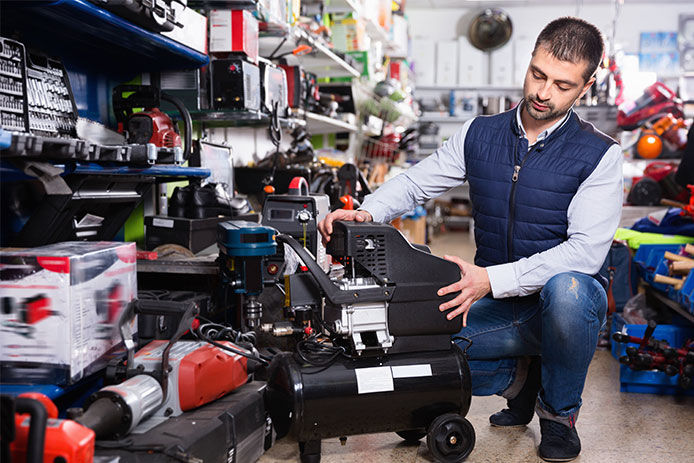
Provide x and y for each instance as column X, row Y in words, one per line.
column 546, row 190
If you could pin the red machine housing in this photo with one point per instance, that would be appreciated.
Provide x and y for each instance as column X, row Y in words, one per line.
column 656, row 100
column 196, row 370
column 153, row 126
column 66, row 440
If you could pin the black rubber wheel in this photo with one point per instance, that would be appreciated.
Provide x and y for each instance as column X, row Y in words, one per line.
column 451, row 438
column 411, row 435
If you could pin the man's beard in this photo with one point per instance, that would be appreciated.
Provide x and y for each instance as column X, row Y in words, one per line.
column 551, row 114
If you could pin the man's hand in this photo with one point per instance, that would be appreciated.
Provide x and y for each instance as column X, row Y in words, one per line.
column 325, row 227
column 473, row 285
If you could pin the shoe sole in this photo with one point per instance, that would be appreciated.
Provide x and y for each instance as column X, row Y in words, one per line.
column 558, row 459
column 509, row 425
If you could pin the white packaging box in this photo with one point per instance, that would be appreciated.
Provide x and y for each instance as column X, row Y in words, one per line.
column 502, row 66
column 447, row 63
column 193, row 34
column 523, row 49
column 424, row 57
column 473, row 65
column 61, row 305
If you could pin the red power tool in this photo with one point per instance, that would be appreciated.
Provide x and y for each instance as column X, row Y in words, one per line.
column 39, row 436
column 151, row 126
column 657, row 100
column 654, row 354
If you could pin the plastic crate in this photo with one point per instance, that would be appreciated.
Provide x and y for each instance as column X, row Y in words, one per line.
column 650, row 261
column 686, row 294
column 649, row 382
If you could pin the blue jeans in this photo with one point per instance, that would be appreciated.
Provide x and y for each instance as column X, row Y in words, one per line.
column 560, row 323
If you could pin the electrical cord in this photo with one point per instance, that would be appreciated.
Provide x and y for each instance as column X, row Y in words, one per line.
column 318, row 354
column 187, row 122
column 213, row 332
column 275, row 130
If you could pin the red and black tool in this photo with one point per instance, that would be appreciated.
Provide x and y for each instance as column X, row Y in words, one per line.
column 151, row 126
column 654, row 354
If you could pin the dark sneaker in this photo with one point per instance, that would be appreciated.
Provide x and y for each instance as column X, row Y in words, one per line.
column 559, row 442
column 521, row 408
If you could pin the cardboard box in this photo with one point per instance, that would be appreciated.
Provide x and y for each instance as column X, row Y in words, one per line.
column 447, row 63
column 193, row 34
column 473, row 65
column 61, row 304
column 234, row 31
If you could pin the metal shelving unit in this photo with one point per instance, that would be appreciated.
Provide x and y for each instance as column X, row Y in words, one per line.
column 214, row 118
column 444, row 119
column 317, row 124
column 105, row 38
column 342, row 6
column 672, row 305
column 321, row 61
column 479, row 88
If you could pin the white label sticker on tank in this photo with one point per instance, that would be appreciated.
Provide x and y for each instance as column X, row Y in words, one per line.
column 411, row 371
column 376, row 379
column 166, row 223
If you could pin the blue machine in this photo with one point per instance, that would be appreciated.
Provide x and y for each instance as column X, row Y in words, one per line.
column 242, row 249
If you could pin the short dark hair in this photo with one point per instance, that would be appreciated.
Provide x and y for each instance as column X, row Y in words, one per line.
column 573, row 39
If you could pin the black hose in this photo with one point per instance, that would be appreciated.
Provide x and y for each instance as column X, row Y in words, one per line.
column 37, row 427
column 187, row 122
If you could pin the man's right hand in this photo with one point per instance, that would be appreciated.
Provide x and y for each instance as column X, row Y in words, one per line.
column 326, row 225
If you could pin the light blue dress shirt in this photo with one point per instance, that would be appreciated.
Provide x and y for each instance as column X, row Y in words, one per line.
column 593, row 214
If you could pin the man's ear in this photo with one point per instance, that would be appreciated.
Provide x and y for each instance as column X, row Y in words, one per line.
column 587, row 85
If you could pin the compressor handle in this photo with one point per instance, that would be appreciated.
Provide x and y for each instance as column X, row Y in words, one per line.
column 332, row 292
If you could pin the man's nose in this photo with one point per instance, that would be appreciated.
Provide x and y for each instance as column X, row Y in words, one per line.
column 543, row 93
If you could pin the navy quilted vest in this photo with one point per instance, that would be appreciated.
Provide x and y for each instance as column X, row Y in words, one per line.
column 521, row 217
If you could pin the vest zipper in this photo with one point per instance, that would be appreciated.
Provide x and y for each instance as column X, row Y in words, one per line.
column 512, row 199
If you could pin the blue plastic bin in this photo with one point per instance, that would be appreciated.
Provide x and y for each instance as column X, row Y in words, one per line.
column 686, row 294
column 650, row 260
column 649, row 382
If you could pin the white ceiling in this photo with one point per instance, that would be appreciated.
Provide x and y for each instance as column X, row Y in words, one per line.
column 487, row 3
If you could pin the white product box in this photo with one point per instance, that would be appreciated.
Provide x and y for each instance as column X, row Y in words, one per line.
column 523, row 49
column 424, row 57
column 193, row 34
column 447, row 63
column 502, row 66
column 473, row 65
column 61, row 304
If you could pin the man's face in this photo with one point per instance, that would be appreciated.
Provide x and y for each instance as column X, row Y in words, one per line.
column 552, row 86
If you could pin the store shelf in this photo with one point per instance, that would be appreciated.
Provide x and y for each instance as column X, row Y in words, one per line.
column 674, row 306
column 376, row 32
column 322, row 61
column 9, row 172
column 479, row 88
column 214, row 118
column 317, row 124
column 341, row 6
column 99, row 35
column 444, row 119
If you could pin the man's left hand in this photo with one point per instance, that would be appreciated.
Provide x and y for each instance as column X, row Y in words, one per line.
column 473, row 285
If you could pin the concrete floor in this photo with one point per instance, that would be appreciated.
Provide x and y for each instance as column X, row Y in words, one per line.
column 614, row 427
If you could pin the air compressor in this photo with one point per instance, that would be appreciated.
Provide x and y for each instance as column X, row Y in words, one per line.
column 378, row 354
